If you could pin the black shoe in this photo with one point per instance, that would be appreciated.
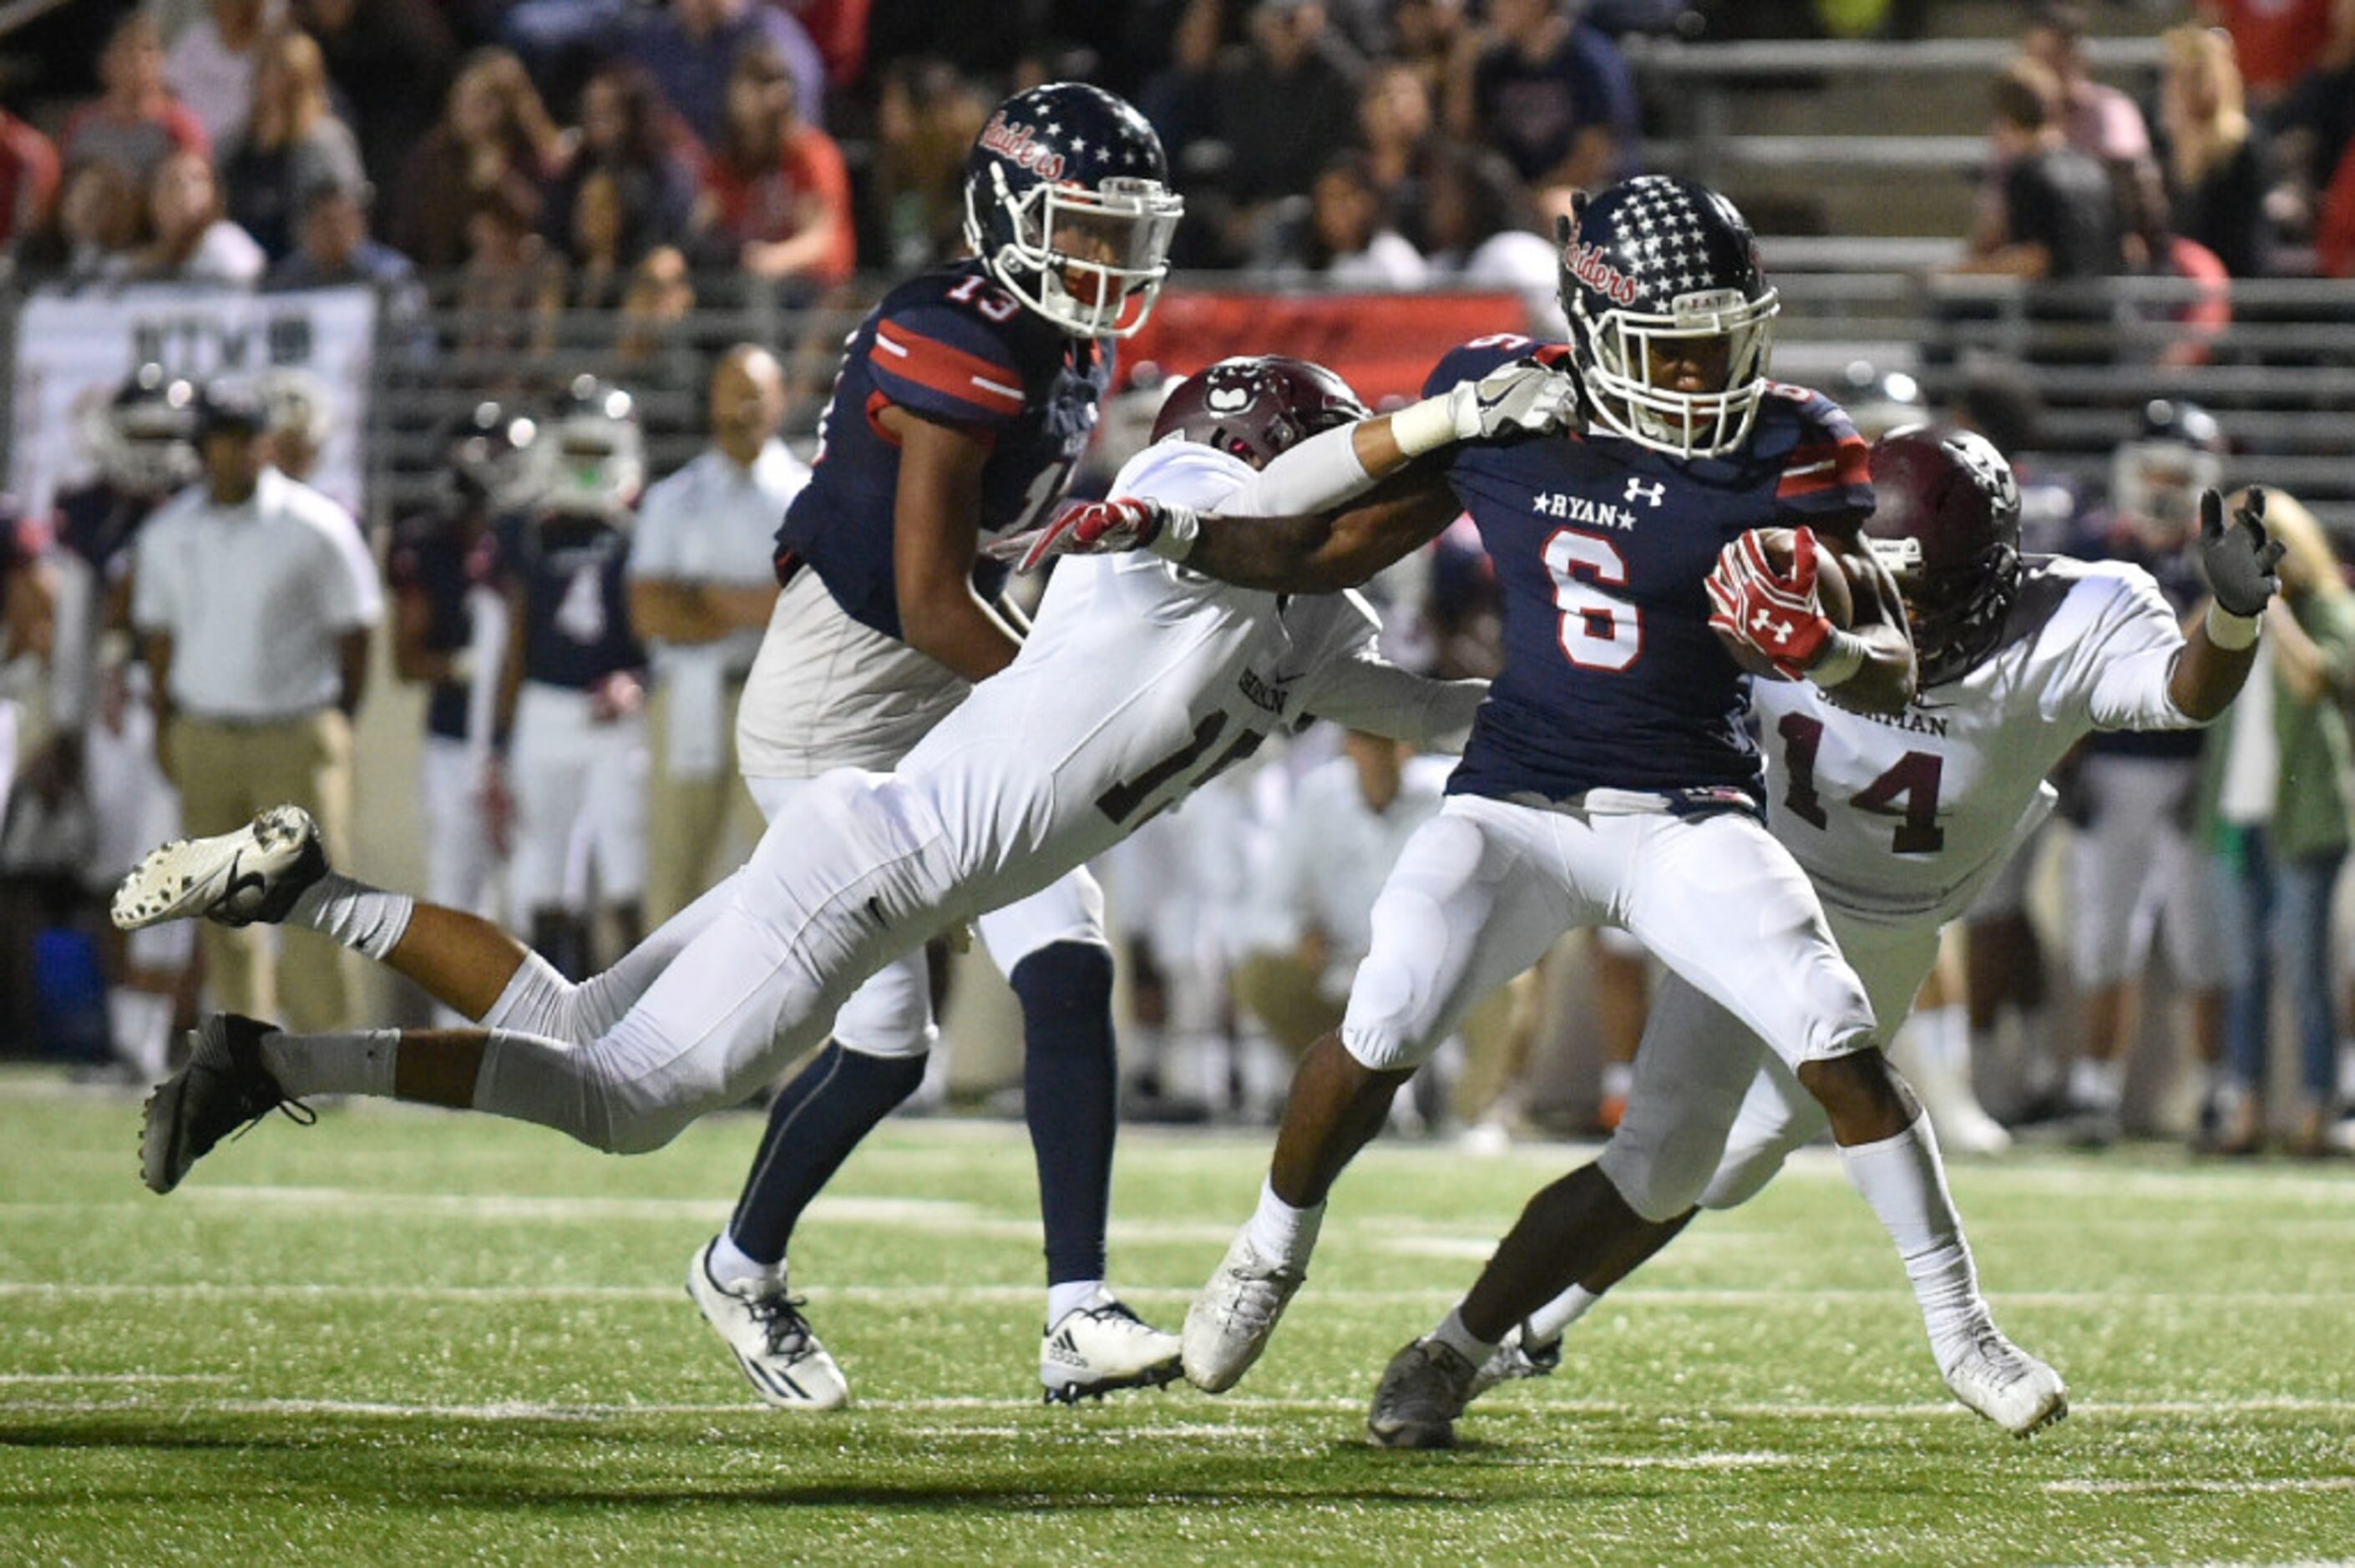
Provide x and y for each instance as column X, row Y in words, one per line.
column 223, row 1089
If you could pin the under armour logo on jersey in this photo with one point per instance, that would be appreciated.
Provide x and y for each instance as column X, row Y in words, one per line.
column 1780, row 631
column 1651, row 492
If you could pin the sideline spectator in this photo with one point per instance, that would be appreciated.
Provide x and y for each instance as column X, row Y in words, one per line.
column 689, row 48
column 333, row 245
column 210, row 64
column 611, row 219
column 1348, row 241
column 1551, row 93
column 1482, row 231
column 776, row 196
column 289, row 142
column 2059, row 215
column 191, row 242
column 134, row 121
column 1434, row 38
column 483, row 155
column 28, row 179
column 390, row 61
column 2097, row 120
column 626, row 135
column 926, row 117
column 92, row 231
column 2274, row 812
column 2281, row 43
column 511, row 290
column 255, row 596
column 2215, row 169
column 1395, row 127
column 648, row 349
column 702, row 587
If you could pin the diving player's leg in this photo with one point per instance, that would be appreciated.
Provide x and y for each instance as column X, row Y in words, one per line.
column 812, row 914
column 1052, row 949
column 1478, row 894
column 1585, row 1233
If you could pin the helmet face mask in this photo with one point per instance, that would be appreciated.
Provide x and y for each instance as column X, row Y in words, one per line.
column 1946, row 526
column 591, row 456
column 1660, row 274
column 1257, row 407
column 1067, row 206
column 143, row 438
column 490, row 465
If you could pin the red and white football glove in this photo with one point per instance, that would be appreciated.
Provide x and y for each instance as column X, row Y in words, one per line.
column 1101, row 528
column 1778, row 614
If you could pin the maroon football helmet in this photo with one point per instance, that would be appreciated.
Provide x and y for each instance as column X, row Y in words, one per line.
column 1258, row 407
column 1946, row 522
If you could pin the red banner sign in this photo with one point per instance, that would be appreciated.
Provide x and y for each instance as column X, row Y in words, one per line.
column 1383, row 344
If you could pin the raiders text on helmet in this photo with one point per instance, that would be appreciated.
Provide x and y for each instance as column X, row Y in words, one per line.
column 1067, row 202
column 1257, row 407
column 1654, row 268
column 1946, row 522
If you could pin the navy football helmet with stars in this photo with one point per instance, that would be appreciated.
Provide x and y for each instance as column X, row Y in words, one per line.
column 1067, row 202
column 1657, row 268
column 1945, row 522
column 1257, row 407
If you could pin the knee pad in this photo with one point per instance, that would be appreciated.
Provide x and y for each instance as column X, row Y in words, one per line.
column 1659, row 1169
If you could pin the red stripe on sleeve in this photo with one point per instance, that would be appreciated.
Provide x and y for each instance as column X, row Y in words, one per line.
column 930, row 362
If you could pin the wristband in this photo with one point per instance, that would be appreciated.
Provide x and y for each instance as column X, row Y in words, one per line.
column 1844, row 654
column 1424, row 427
column 2231, row 632
column 1180, row 527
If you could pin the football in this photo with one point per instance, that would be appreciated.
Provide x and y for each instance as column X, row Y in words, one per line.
column 1780, row 547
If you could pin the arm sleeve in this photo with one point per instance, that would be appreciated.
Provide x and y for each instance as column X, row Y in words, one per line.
column 1359, row 689
column 1319, row 474
column 353, row 594
column 946, row 364
column 2121, row 668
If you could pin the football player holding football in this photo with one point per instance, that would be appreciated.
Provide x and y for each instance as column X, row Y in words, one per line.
column 1899, row 821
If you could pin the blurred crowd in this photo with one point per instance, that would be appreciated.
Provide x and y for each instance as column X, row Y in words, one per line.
column 579, row 622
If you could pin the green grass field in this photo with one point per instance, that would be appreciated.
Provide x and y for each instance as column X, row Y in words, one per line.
column 403, row 1337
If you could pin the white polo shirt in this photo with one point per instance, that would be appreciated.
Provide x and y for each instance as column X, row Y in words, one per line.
column 254, row 598
column 716, row 522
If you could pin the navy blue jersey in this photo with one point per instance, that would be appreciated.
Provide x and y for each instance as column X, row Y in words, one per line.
column 2103, row 536
column 576, row 603
column 99, row 523
column 954, row 347
column 433, row 557
column 1612, row 678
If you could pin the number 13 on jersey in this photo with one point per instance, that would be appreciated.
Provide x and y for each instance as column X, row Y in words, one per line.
column 1599, row 631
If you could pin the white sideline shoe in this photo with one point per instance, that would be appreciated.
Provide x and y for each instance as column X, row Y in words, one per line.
column 254, row 873
column 1514, row 1359
column 1228, row 1323
column 762, row 1327
column 2007, row 1385
column 1423, row 1391
column 1101, row 1348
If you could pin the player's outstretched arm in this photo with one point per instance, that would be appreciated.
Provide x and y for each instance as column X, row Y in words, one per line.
column 1883, row 681
column 2241, row 562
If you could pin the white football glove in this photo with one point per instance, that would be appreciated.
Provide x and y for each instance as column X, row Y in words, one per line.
column 1523, row 398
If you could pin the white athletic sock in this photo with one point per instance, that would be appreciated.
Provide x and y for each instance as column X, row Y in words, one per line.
column 2097, row 1085
column 360, row 1063
column 140, row 1024
column 1068, row 1297
column 1546, row 1324
column 1905, row 1182
column 366, row 919
column 1282, row 1232
column 730, row 1265
column 1452, row 1333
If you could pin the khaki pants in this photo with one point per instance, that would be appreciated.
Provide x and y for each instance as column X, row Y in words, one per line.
column 226, row 772
column 1283, row 993
column 697, row 830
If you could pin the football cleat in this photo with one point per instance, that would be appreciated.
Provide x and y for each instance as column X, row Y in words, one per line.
column 1102, row 1347
column 222, row 1088
column 762, row 1327
column 2007, row 1385
column 254, row 873
column 1228, row 1323
column 1513, row 1358
column 1423, row 1391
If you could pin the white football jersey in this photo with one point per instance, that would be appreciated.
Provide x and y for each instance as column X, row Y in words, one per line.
column 1140, row 679
column 1904, row 818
